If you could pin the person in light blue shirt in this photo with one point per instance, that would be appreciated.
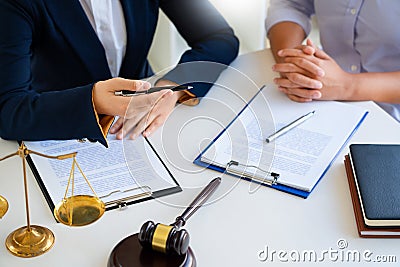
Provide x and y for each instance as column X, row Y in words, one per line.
column 360, row 55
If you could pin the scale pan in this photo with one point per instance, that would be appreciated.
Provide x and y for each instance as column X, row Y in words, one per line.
column 3, row 206
column 79, row 210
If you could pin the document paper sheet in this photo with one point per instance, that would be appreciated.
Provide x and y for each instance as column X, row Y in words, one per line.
column 300, row 156
column 123, row 168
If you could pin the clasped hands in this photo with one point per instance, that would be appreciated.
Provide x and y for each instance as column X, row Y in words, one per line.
column 141, row 114
column 308, row 73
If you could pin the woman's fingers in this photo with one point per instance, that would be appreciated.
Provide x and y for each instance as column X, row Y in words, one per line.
column 301, row 93
column 295, row 80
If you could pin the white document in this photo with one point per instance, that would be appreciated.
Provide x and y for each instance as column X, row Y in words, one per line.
column 301, row 156
column 126, row 169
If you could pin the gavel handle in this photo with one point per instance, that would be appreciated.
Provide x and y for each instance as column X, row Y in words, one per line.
column 197, row 202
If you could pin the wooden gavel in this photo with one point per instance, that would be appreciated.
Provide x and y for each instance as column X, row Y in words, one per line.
column 170, row 239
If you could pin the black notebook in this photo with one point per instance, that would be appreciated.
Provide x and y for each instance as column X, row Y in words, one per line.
column 363, row 229
column 376, row 170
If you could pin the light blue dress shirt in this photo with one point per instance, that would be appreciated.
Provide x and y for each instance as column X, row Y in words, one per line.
column 361, row 35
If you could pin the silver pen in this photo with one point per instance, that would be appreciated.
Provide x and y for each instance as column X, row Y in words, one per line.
column 290, row 126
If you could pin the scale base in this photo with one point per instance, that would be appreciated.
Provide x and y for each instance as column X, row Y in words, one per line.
column 129, row 253
column 27, row 244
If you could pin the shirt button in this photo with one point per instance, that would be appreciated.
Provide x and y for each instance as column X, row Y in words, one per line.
column 353, row 11
column 354, row 67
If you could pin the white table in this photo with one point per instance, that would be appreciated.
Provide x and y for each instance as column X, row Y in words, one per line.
column 237, row 224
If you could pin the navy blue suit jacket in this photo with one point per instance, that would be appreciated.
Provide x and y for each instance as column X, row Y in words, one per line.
column 50, row 57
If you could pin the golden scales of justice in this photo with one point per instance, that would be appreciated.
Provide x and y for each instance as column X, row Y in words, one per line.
column 76, row 210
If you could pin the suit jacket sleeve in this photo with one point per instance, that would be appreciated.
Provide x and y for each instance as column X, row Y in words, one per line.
column 209, row 37
column 26, row 114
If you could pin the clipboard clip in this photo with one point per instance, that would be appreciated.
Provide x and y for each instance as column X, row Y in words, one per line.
column 241, row 171
column 145, row 191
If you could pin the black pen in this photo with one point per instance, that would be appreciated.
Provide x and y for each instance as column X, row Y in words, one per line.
column 152, row 90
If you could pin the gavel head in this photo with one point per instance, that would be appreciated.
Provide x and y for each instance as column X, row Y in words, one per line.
column 167, row 239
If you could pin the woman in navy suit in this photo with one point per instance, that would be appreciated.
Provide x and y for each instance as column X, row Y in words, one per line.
column 61, row 61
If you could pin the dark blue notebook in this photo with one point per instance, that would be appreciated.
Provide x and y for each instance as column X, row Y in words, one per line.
column 377, row 176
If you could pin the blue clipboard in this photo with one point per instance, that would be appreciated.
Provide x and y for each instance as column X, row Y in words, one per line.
column 281, row 187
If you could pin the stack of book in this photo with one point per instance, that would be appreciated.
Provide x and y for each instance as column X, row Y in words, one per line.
column 373, row 173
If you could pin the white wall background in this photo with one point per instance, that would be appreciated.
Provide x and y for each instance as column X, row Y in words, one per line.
column 246, row 17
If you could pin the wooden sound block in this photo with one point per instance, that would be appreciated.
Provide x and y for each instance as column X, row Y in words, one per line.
column 130, row 253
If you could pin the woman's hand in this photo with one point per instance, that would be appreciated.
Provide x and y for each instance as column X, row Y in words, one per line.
column 311, row 76
column 105, row 102
column 150, row 121
column 129, row 109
